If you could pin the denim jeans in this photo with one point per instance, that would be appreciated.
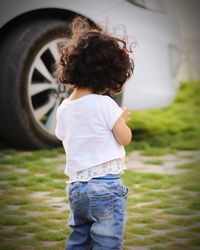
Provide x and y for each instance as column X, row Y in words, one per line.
column 97, row 214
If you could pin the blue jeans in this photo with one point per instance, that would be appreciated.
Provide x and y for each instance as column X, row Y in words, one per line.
column 97, row 214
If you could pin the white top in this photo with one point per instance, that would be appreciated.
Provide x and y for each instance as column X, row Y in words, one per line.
column 85, row 127
column 116, row 166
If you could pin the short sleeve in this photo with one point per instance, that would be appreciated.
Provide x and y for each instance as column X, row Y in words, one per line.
column 59, row 130
column 112, row 112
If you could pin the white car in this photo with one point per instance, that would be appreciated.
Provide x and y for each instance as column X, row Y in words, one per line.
column 32, row 33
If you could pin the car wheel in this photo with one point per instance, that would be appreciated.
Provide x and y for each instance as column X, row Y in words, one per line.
column 30, row 93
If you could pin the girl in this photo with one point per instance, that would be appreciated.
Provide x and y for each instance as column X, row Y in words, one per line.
column 93, row 130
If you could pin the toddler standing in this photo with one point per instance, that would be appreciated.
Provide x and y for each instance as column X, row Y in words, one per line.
column 93, row 130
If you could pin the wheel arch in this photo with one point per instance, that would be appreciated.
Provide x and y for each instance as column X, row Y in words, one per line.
column 50, row 13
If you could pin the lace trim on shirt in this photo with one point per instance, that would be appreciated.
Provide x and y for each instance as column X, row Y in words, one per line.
column 115, row 166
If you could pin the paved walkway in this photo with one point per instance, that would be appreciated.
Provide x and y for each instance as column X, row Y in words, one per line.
column 165, row 164
column 168, row 165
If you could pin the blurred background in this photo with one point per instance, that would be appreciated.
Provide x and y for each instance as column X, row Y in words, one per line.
column 163, row 159
column 188, row 21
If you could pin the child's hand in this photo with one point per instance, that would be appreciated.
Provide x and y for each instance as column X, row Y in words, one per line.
column 126, row 115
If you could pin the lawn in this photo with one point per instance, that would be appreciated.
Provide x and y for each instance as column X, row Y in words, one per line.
column 163, row 209
column 173, row 128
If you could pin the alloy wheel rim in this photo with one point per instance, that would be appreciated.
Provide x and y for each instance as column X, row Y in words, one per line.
column 45, row 93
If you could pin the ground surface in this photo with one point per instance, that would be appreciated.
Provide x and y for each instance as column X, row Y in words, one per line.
column 163, row 201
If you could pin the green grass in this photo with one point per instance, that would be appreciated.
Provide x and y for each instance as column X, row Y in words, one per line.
column 154, row 151
column 158, row 132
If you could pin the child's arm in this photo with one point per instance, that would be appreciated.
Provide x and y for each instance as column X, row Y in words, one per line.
column 121, row 131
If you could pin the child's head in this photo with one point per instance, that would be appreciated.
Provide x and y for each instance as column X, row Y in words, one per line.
column 94, row 60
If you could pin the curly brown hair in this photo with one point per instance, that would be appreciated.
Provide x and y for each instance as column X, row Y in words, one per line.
column 94, row 60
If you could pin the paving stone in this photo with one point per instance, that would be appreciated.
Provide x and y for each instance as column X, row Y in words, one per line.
column 49, row 243
column 163, row 232
column 34, row 213
column 193, row 194
column 61, row 168
column 26, row 248
column 166, row 190
column 29, row 235
column 141, row 204
column 47, row 160
column 7, row 228
column 20, row 188
column 39, row 194
column 55, row 200
column 39, row 174
column 140, row 224
column 22, row 170
column 138, row 248
column 134, row 195
column 194, row 214
column 2, row 182
column 13, row 207
column 8, row 156
column 2, row 191
column 181, row 240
